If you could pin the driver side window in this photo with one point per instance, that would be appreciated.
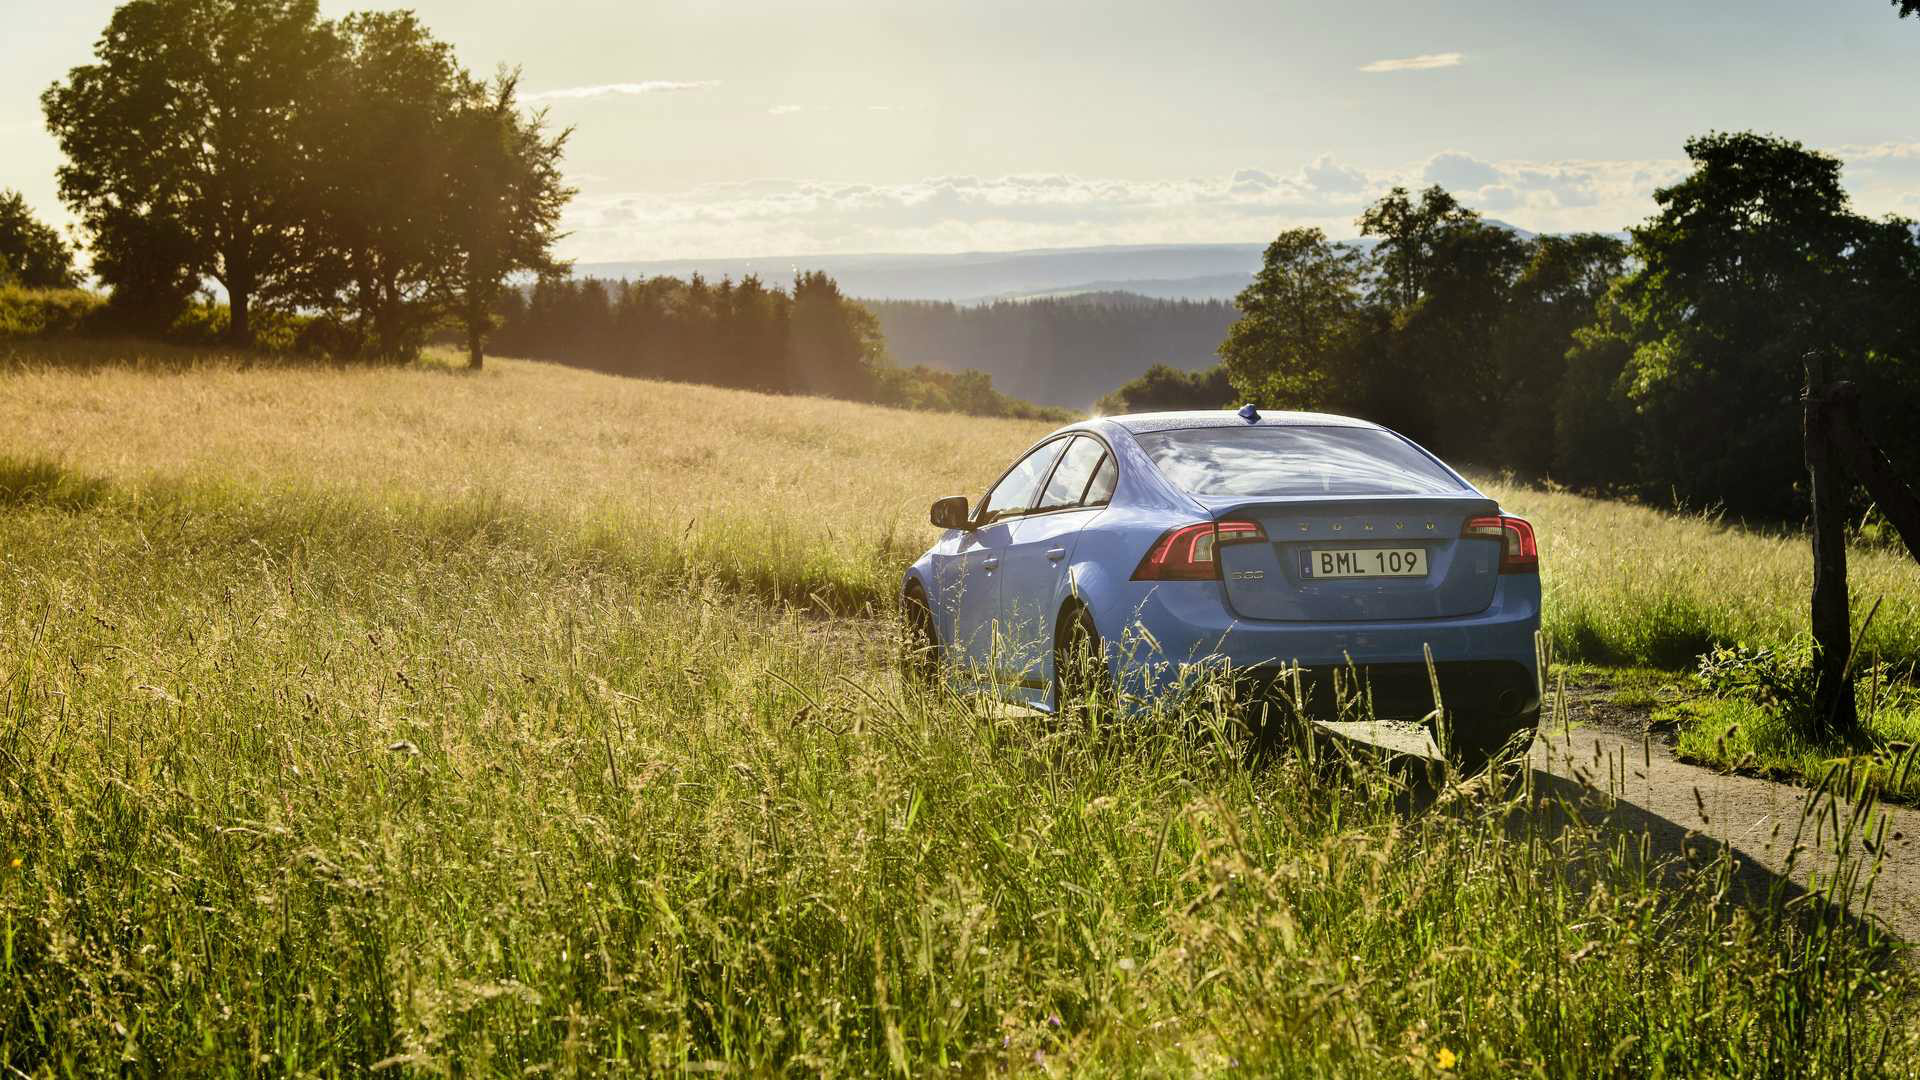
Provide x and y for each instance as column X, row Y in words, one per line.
column 1014, row 493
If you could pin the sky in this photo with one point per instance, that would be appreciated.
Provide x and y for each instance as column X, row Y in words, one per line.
column 755, row 127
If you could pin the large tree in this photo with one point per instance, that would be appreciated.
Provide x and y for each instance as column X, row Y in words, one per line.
column 507, row 193
column 31, row 252
column 379, row 201
column 1444, row 382
column 1411, row 235
column 1755, row 259
column 1554, row 297
column 834, row 344
column 1758, row 289
column 1298, row 312
column 1406, row 336
column 185, row 126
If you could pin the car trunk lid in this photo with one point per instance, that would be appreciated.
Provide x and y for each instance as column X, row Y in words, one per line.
column 1358, row 559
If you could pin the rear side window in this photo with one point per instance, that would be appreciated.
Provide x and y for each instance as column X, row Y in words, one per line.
column 1015, row 491
column 1070, row 477
column 1295, row 461
column 1100, row 491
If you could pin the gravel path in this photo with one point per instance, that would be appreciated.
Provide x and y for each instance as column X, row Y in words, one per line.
column 1686, row 807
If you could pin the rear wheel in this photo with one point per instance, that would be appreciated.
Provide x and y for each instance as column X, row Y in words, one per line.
column 1080, row 672
column 1479, row 746
column 920, row 644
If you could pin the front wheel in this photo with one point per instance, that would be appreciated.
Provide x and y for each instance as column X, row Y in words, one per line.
column 1080, row 674
column 920, row 644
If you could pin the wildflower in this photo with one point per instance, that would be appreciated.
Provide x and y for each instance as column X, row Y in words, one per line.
column 1054, row 1020
column 15, row 864
column 1444, row 1058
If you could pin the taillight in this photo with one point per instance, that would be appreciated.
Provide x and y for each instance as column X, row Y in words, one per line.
column 1187, row 553
column 1518, row 552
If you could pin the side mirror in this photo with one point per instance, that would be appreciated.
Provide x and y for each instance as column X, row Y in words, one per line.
column 951, row 513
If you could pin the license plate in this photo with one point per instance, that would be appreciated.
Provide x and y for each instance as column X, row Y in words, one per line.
column 1365, row 562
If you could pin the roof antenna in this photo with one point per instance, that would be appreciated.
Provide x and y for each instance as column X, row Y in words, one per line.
column 1250, row 414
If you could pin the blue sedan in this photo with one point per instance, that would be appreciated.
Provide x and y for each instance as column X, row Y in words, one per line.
column 1151, row 546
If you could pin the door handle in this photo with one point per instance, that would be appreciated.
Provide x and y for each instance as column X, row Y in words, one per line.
column 1056, row 554
column 991, row 562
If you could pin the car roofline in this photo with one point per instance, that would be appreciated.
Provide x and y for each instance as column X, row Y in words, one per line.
column 1143, row 423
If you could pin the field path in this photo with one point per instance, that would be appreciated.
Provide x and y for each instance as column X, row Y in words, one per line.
column 1687, row 808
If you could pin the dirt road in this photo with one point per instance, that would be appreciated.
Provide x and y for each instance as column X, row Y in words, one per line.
column 1686, row 807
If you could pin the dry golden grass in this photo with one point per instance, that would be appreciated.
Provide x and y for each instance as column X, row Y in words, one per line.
column 1631, row 584
column 541, row 435
column 805, row 493
column 794, row 496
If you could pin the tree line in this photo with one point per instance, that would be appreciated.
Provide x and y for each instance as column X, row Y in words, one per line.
column 1057, row 349
column 808, row 339
column 1668, row 365
column 350, row 170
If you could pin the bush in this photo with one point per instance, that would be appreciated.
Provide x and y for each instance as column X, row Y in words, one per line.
column 27, row 313
column 1780, row 679
column 970, row 392
column 1166, row 388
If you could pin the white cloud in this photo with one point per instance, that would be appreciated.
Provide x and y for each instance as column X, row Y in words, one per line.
column 1453, row 169
column 1423, row 62
column 1495, row 198
column 1032, row 210
column 1252, row 182
column 1326, row 174
column 652, row 86
column 784, row 110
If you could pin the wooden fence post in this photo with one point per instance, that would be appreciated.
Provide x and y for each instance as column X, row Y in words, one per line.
column 1834, row 716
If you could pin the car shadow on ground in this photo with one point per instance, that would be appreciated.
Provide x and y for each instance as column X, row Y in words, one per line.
column 1544, row 806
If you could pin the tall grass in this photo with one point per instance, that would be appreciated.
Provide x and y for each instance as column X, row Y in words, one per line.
column 1628, row 584
column 790, row 498
column 306, row 785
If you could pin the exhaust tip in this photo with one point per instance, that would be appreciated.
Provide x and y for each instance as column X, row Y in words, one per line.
column 1509, row 702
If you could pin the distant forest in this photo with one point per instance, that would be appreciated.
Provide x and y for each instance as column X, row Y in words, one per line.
column 1059, row 350
column 808, row 339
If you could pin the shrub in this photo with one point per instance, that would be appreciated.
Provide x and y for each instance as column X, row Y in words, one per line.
column 1164, row 387
column 26, row 313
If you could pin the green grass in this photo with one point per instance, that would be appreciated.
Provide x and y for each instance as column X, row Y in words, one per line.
column 1744, row 736
column 500, row 724
column 314, row 782
column 1626, row 687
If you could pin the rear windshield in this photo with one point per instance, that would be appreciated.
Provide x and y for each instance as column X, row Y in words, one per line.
column 1295, row 461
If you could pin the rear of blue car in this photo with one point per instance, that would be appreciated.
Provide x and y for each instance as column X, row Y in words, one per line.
column 1328, row 547
column 1316, row 546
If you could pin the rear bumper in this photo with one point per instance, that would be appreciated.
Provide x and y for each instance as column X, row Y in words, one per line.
column 1486, row 690
column 1487, row 661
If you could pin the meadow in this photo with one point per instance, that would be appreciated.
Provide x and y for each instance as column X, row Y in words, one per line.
column 543, row 721
column 799, row 499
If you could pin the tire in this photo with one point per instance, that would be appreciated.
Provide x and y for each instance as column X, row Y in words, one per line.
column 1479, row 746
column 1080, row 673
column 920, row 644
